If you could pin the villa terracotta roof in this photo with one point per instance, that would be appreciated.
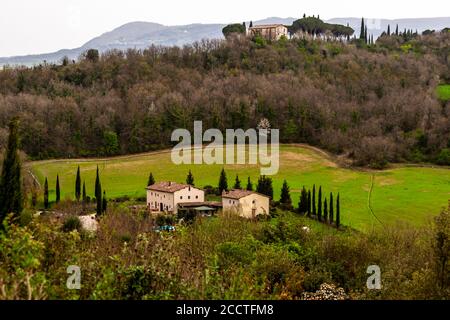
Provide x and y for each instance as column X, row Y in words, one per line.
column 265, row 26
column 239, row 194
column 167, row 186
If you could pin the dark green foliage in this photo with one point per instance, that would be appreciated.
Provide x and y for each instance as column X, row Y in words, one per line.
column 314, row 211
column 325, row 211
column 78, row 185
column 84, row 191
column 92, row 55
column 444, row 157
column 223, row 182
column 249, row 185
column 58, row 190
column 71, row 224
column 265, row 186
column 98, row 193
column 151, row 180
column 285, row 198
column 338, row 212
column 11, row 198
column 331, row 209
column 319, row 204
column 315, row 26
column 303, row 203
column 362, row 30
column 46, row 204
column 309, row 204
column 190, row 178
column 235, row 28
column 237, row 183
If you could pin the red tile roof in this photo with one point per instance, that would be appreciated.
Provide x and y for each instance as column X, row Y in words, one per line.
column 239, row 194
column 167, row 186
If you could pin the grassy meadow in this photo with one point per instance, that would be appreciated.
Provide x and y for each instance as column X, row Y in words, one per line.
column 443, row 92
column 411, row 194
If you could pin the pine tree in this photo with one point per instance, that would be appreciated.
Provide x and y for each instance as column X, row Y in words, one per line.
column 78, row 185
column 223, row 182
column 249, row 185
column 314, row 211
column 151, row 180
column 285, row 195
column 319, row 204
column 104, row 202
column 46, row 204
column 190, row 178
column 302, row 205
column 265, row 186
column 338, row 212
column 363, row 29
column 237, row 183
column 331, row 209
column 58, row 191
column 11, row 198
column 98, row 193
column 325, row 211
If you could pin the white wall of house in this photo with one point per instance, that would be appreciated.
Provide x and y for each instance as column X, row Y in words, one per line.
column 167, row 201
column 247, row 207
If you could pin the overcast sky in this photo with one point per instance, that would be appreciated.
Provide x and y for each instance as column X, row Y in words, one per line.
column 40, row 26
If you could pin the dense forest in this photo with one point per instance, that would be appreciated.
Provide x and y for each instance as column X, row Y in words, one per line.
column 374, row 103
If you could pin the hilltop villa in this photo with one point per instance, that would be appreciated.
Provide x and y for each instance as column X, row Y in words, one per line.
column 269, row 31
column 247, row 204
column 166, row 196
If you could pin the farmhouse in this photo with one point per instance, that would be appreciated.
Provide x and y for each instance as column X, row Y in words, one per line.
column 247, row 204
column 269, row 31
column 166, row 196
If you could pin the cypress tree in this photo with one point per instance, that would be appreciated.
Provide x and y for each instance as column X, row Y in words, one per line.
column 319, row 204
column 237, row 183
column 362, row 32
column 314, row 211
column 58, row 191
column 249, row 185
column 396, row 30
column 302, row 205
column 308, row 211
column 151, row 180
column 11, row 199
column 190, row 178
column 325, row 211
column 104, row 202
column 98, row 193
column 366, row 36
column 78, row 185
column 389, row 30
column 251, row 24
column 331, row 208
column 84, row 191
column 46, row 194
column 338, row 212
column 285, row 195
column 223, row 182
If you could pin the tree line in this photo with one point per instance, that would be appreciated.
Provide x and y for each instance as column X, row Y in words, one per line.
column 379, row 105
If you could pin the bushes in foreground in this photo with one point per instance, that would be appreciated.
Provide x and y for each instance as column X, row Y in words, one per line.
column 286, row 257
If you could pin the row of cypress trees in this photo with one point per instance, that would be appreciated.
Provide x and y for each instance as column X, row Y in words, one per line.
column 100, row 197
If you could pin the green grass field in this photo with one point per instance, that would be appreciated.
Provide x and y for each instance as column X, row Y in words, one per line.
column 402, row 194
column 443, row 92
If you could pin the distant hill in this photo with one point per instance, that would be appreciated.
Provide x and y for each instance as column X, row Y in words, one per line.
column 141, row 35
